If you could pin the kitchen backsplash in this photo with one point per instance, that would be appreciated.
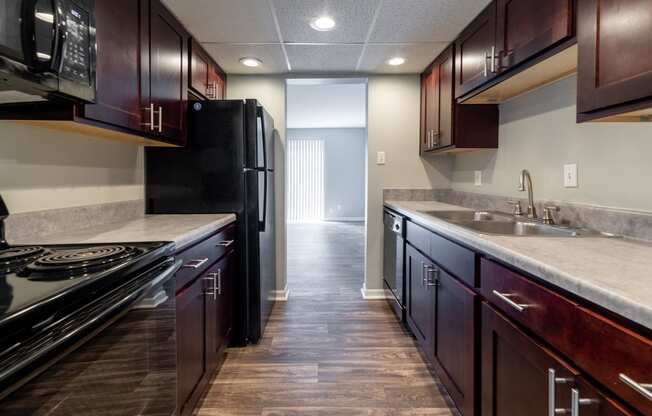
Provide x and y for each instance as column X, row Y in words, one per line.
column 629, row 223
column 32, row 225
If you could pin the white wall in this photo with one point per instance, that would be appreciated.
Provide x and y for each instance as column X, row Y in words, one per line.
column 327, row 105
column 538, row 132
column 46, row 169
column 393, row 127
column 270, row 91
column 344, row 170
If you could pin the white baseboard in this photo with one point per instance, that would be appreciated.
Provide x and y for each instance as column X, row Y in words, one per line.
column 281, row 295
column 345, row 219
column 373, row 294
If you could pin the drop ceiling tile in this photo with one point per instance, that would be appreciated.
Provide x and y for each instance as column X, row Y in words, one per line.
column 352, row 19
column 424, row 20
column 324, row 58
column 417, row 57
column 226, row 21
column 228, row 56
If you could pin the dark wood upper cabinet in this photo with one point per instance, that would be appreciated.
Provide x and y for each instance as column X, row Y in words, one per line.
column 615, row 59
column 118, row 69
column 455, row 340
column 166, row 91
column 475, row 47
column 206, row 77
column 527, row 27
column 447, row 126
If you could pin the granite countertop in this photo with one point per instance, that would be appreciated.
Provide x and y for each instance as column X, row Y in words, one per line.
column 182, row 229
column 614, row 273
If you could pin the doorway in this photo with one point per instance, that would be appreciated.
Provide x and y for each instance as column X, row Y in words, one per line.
column 326, row 153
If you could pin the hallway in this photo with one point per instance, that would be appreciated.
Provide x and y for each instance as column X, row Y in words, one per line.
column 327, row 352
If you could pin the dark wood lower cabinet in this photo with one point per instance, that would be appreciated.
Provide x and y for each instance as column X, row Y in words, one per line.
column 520, row 376
column 204, row 323
column 420, row 299
column 456, row 308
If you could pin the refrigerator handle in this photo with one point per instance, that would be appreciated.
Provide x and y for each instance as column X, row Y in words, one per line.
column 262, row 224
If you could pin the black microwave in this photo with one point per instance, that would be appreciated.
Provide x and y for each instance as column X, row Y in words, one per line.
column 47, row 50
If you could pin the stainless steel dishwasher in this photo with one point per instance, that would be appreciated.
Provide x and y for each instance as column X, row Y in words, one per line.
column 393, row 265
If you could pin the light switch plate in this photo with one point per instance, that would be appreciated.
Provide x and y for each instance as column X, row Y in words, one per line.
column 380, row 158
column 478, row 178
column 570, row 176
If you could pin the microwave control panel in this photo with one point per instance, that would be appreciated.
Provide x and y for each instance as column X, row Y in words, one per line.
column 76, row 62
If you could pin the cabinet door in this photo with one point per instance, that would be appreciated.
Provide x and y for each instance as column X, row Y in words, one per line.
column 432, row 106
column 421, row 300
column 118, row 64
column 167, row 86
column 473, row 52
column 216, row 83
column 615, row 52
column 190, row 340
column 455, row 340
column 527, row 27
column 227, row 270
column 444, row 136
column 211, row 279
column 516, row 371
column 588, row 401
column 199, row 68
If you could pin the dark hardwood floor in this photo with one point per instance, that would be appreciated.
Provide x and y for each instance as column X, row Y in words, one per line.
column 327, row 352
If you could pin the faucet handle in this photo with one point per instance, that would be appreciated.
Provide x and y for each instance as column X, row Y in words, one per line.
column 517, row 209
column 547, row 214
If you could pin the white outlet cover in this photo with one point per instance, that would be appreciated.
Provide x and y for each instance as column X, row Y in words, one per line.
column 380, row 158
column 478, row 178
column 570, row 176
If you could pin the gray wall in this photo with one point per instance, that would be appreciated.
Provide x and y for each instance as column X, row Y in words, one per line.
column 344, row 170
column 538, row 132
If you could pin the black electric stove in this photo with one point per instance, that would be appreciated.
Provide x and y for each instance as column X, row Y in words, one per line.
column 55, row 298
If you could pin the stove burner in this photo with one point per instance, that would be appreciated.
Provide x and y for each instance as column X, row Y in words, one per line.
column 13, row 258
column 75, row 262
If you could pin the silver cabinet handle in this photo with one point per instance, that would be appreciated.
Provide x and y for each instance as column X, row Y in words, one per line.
column 215, row 289
column 151, row 116
column 160, row 119
column 553, row 380
column 493, row 59
column 430, row 282
column 644, row 389
column 225, row 243
column 576, row 402
column 505, row 298
column 195, row 264
column 485, row 71
column 219, row 282
column 423, row 274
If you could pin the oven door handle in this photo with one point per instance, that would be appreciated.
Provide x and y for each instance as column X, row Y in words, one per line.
column 50, row 339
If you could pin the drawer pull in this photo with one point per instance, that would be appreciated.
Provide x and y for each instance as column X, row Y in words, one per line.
column 644, row 390
column 553, row 380
column 226, row 243
column 505, row 298
column 195, row 264
column 576, row 402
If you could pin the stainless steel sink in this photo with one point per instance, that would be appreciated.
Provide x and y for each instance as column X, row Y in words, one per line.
column 498, row 223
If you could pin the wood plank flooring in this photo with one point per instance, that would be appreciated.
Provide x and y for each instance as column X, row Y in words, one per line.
column 327, row 352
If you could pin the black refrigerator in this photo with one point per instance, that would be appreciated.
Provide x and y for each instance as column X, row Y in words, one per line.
column 227, row 166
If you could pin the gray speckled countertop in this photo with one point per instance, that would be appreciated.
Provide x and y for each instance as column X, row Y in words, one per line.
column 611, row 272
column 183, row 230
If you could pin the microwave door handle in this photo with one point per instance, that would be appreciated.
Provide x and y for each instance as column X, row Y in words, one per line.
column 29, row 40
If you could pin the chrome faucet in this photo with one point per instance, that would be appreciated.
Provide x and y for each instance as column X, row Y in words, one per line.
column 526, row 182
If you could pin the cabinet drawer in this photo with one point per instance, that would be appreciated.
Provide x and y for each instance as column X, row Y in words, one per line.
column 197, row 258
column 456, row 259
column 418, row 236
column 544, row 312
column 618, row 358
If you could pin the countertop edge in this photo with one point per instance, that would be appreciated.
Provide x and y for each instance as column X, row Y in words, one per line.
column 200, row 233
column 631, row 310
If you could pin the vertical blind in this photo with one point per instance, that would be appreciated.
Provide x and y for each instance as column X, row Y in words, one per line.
column 305, row 180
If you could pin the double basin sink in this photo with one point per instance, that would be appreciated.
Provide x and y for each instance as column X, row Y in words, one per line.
column 497, row 223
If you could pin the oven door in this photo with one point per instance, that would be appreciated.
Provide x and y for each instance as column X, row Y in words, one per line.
column 123, row 367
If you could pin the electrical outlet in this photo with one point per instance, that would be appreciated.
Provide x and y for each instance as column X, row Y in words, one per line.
column 478, row 178
column 380, row 158
column 570, row 176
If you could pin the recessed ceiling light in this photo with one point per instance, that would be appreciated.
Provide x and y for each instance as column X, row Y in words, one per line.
column 396, row 61
column 251, row 62
column 323, row 24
